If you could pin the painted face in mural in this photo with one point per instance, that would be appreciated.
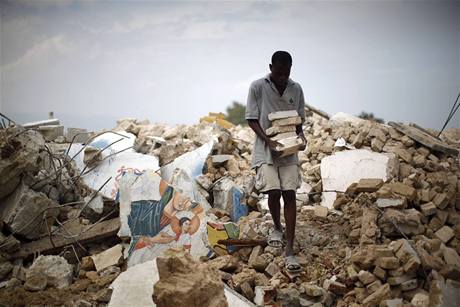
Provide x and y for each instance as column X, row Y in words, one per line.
column 186, row 226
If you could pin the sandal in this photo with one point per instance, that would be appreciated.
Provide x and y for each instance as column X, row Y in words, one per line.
column 275, row 239
column 292, row 265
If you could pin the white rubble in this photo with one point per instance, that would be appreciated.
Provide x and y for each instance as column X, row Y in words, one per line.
column 341, row 169
column 108, row 257
column 134, row 287
column 345, row 117
column 57, row 270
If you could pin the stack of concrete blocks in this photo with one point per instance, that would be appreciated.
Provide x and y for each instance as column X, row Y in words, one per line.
column 283, row 130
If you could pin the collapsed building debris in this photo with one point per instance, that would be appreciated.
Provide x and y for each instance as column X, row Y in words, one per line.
column 378, row 215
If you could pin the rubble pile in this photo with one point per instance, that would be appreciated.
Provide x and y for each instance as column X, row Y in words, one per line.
column 378, row 220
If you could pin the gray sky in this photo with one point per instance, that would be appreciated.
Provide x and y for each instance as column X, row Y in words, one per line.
column 92, row 62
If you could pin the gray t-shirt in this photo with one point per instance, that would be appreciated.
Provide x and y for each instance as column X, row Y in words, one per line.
column 263, row 99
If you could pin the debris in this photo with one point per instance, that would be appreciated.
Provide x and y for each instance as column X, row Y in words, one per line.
column 342, row 169
column 183, row 281
column 108, row 257
column 56, row 269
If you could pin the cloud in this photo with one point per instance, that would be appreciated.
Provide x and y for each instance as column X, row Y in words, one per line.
column 42, row 53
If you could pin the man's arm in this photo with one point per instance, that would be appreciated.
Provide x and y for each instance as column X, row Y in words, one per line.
column 298, row 128
column 255, row 126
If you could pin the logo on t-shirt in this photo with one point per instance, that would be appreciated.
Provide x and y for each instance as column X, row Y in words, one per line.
column 291, row 101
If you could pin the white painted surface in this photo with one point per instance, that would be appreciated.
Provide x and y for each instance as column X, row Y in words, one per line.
column 341, row 169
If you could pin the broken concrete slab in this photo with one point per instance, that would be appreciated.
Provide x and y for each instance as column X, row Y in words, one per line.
column 51, row 132
column 341, row 169
column 20, row 153
column 77, row 135
column 118, row 157
column 191, row 162
column 59, row 273
column 285, row 135
column 157, row 217
column 83, row 234
column 46, row 122
column 134, row 287
column 25, row 210
column 424, row 138
column 228, row 196
column 184, row 281
column 108, row 257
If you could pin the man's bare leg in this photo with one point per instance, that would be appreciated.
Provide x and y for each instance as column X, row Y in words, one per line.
column 290, row 213
column 275, row 207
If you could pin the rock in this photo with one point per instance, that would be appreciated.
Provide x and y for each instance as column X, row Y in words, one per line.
column 247, row 291
column 403, row 154
column 444, row 234
column 80, row 285
column 108, row 257
column 380, row 273
column 420, row 300
column 365, row 277
column 226, row 263
column 428, row 209
column 185, row 282
column 396, row 302
column 272, row 269
column 20, row 209
column 103, row 295
column 87, row 264
column 288, row 297
column 321, row 211
column 256, row 252
column 264, row 295
column 77, row 135
column 336, row 287
column 312, row 290
column 377, row 145
column 379, row 295
column 387, row 263
column 402, row 189
column 441, row 201
column 409, row 285
column 58, row 272
column 20, row 151
column 36, row 283
column 451, row 257
column 374, row 286
column 5, row 268
column 399, row 203
column 398, row 280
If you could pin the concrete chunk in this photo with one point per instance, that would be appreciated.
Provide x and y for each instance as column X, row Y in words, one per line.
column 444, row 234
column 287, row 121
column 428, row 209
column 282, row 114
column 369, row 185
column 279, row 129
column 341, row 169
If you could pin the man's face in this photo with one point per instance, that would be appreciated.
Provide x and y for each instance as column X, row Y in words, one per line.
column 280, row 73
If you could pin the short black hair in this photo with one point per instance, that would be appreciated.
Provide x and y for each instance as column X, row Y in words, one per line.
column 282, row 57
column 183, row 220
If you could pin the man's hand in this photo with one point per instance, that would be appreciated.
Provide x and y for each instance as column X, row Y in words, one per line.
column 304, row 142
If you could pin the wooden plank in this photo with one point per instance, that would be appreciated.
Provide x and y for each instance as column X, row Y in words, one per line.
column 88, row 233
column 424, row 138
column 317, row 111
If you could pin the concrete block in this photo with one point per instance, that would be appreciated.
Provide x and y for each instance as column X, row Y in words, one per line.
column 409, row 285
column 321, row 211
column 366, row 277
column 444, row 234
column 77, row 135
column 285, row 135
column 282, row 114
column 388, row 263
column 398, row 203
column 374, row 286
column 380, row 273
column 341, row 169
column 403, row 154
column 441, row 200
column 369, row 185
column 50, row 133
column 289, row 121
column 279, row 129
column 428, row 209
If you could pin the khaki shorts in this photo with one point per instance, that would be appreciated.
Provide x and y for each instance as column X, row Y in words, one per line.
column 285, row 178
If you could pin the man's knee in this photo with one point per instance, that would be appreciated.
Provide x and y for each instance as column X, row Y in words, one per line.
column 274, row 194
column 289, row 197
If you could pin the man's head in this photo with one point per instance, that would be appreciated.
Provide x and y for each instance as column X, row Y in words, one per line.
column 280, row 67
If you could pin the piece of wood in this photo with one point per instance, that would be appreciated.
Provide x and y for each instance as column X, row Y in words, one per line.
column 317, row 111
column 87, row 233
column 424, row 138
column 242, row 242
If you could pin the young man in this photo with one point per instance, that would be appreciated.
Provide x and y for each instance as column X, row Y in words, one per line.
column 277, row 176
